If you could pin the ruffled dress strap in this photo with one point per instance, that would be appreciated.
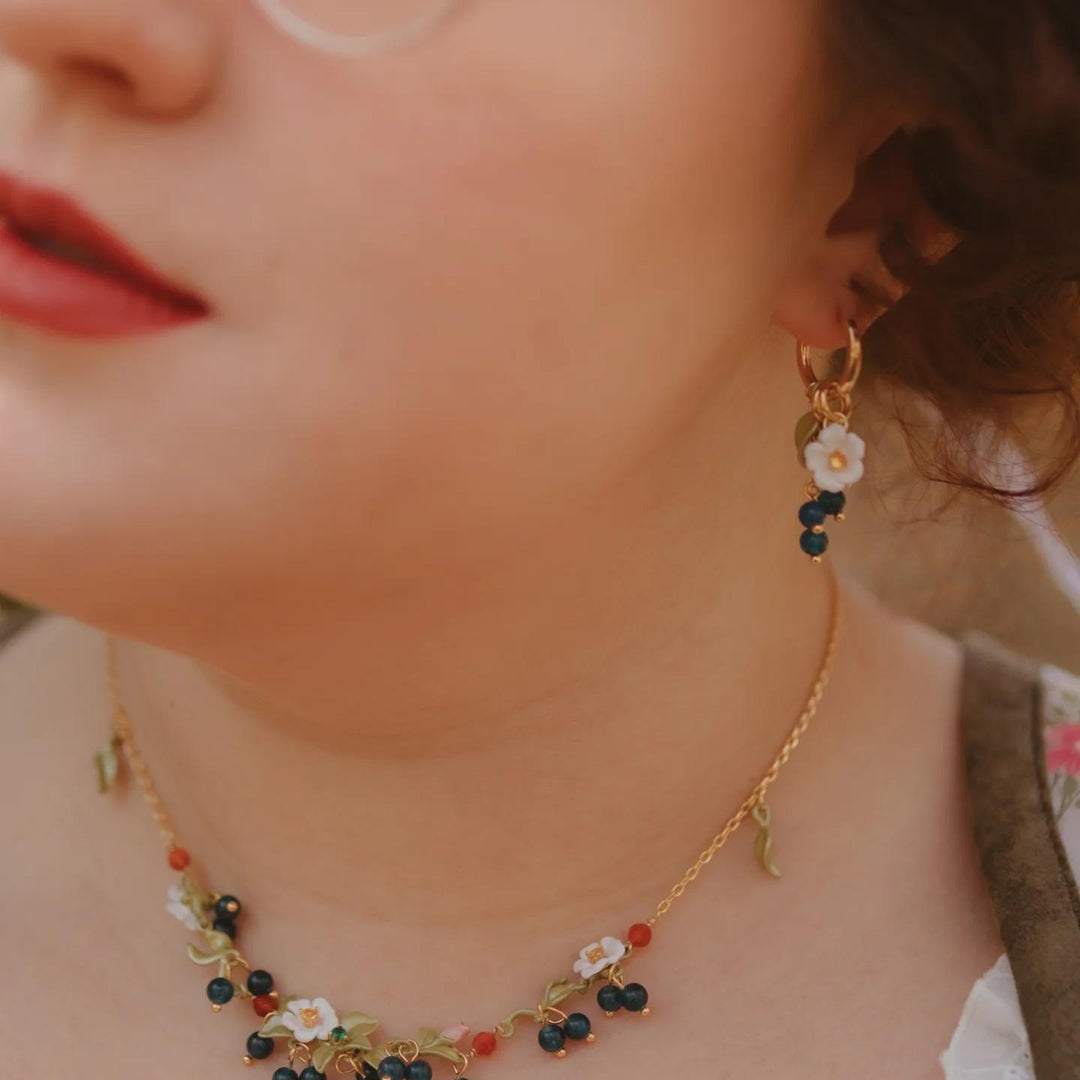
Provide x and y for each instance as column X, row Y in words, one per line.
column 1016, row 816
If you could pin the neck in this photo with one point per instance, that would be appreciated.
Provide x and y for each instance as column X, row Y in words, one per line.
column 518, row 743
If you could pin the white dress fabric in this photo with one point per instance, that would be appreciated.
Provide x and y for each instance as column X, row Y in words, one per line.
column 990, row 1041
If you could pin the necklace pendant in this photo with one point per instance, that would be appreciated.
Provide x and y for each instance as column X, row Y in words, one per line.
column 763, row 845
column 107, row 765
column 311, row 1033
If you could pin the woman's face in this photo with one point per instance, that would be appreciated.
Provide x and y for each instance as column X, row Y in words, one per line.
column 455, row 289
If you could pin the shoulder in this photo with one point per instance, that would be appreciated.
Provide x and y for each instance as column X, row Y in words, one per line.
column 29, row 638
column 14, row 621
column 44, row 657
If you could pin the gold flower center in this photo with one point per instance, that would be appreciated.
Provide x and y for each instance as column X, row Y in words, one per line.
column 837, row 460
column 595, row 954
column 309, row 1017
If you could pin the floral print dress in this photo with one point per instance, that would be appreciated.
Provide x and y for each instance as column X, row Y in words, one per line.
column 990, row 1041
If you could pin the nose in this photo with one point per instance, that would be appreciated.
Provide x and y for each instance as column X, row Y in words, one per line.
column 155, row 56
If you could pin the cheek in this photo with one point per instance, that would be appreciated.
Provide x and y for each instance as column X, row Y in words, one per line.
column 543, row 230
column 457, row 291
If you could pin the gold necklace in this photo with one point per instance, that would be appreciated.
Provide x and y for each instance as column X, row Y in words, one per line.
column 317, row 1037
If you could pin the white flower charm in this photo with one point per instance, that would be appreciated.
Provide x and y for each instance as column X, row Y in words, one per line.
column 599, row 955
column 309, row 1020
column 835, row 457
column 178, row 909
column 454, row 1034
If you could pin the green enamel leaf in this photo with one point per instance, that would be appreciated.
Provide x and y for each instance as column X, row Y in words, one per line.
column 506, row 1027
column 431, row 1041
column 562, row 989
column 197, row 956
column 806, row 431
column 199, row 900
column 273, row 1028
column 356, row 1044
column 218, row 941
column 107, row 764
column 358, row 1023
column 763, row 849
column 322, row 1055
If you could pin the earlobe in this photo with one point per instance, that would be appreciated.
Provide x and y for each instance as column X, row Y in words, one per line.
column 845, row 277
column 845, row 280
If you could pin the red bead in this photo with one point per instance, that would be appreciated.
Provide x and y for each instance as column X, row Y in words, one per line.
column 484, row 1043
column 640, row 935
column 263, row 1004
column 179, row 859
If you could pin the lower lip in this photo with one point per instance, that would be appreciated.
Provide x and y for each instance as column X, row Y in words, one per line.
column 67, row 298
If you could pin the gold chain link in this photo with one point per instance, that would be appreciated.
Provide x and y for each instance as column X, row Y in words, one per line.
column 757, row 795
column 123, row 735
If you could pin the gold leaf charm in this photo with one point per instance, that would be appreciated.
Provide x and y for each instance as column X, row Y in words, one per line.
column 763, row 844
column 806, row 431
column 107, row 765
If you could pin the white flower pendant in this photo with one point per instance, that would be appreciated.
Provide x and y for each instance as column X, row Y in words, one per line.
column 599, row 955
column 309, row 1020
column 835, row 457
column 178, row 907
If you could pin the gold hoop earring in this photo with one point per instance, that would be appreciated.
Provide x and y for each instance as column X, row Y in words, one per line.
column 826, row 445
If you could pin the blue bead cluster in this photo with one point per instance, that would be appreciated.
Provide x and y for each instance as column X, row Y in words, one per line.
column 226, row 912
column 814, row 540
column 633, row 997
column 552, row 1037
column 577, row 1027
column 310, row 1073
column 390, row 1068
column 396, row 1068
column 221, row 991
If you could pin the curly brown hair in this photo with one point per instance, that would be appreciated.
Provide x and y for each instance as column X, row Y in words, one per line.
column 990, row 331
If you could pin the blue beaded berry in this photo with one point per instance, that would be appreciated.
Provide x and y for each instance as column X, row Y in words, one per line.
column 259, row 1047
column 832, row 502
column 285, row 1073
column 418, row 1070
column 814, row 543
column 220, row 991
column 610, row 998
column 260, row 982
column 227, row 907
column 577, row 1026
column 811, row 514
column 392, row 1068
column 552, row 1038
column 635, row 997
column 311, row 1073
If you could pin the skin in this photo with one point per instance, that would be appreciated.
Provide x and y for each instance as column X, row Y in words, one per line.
column 454, row 554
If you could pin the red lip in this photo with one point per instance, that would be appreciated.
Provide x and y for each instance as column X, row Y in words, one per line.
column 46, row 239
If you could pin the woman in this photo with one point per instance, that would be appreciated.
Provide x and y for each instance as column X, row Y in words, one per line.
column 405, row 390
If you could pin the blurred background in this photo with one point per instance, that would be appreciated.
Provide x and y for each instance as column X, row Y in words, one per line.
column 959, row 561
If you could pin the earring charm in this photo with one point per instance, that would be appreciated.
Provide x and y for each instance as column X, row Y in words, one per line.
column 827, row 447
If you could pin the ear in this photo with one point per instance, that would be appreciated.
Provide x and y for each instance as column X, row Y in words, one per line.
column 845, row 277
